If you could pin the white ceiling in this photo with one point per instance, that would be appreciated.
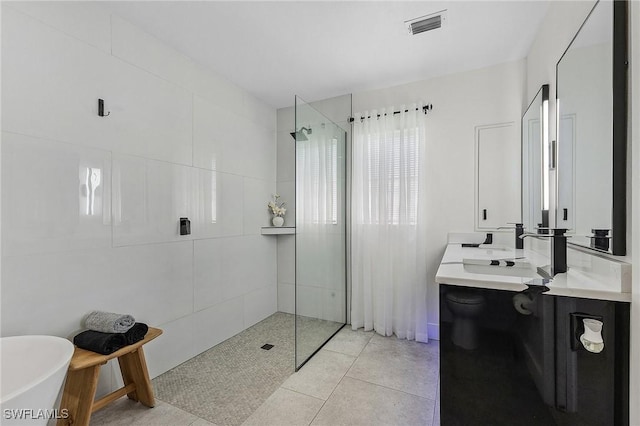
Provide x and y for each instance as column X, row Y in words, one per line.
column 320, row 49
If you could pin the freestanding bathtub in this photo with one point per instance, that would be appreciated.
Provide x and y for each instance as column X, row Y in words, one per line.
column 32, row 370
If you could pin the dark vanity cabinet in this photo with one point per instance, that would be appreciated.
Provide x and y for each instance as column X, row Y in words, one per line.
column 527, row 365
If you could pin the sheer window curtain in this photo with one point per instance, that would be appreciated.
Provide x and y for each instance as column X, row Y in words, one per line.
column 389, row 273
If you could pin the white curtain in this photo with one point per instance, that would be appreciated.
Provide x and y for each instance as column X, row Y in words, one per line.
column 389, row 273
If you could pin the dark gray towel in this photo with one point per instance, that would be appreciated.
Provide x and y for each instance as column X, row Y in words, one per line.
column 102, row 343
column 136, row 333
column 108, row 322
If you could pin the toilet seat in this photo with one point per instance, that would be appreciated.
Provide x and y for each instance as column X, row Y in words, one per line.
column 465, row 298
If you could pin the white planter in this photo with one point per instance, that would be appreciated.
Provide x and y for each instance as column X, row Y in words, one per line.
column 277, row 221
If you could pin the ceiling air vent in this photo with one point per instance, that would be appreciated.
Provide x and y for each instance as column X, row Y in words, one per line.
column 427, row 22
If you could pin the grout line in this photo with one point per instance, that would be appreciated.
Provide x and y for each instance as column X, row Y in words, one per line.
column 392, row 389
column 298, row 392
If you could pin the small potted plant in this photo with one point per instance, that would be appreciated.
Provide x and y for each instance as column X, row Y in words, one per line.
column 277, row 209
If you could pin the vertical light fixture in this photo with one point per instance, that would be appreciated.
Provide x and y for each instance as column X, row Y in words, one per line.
column 546, row 165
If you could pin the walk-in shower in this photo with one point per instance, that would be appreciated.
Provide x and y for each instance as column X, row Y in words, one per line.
column 320, row 239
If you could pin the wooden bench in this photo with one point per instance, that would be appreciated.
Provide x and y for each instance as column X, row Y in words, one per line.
column 82, row 380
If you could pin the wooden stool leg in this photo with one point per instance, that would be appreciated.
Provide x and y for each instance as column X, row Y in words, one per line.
column 134, row 370
column 78, row 395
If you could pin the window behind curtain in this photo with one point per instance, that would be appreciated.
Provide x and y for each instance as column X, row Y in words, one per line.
column 400, row 153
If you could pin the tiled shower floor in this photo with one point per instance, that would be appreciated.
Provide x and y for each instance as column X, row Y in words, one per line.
column 357, row 378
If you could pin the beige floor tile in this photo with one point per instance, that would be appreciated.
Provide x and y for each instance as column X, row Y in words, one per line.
column 285, row 407
column 349, row 342
column 202, row 422
column 403, row 365
column 125, row 412
column 360, row 403
column 320, row 376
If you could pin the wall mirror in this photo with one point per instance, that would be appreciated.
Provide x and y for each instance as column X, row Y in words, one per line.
column 535, row 171
column 591, row 131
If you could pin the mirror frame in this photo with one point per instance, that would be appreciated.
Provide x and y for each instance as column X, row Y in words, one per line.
column 544, row 153
column 619, row 126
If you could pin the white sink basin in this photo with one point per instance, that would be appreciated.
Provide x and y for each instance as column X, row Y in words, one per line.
column 32, row 370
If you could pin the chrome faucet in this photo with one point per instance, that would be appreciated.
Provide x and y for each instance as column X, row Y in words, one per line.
column 519, row 227
column 558, row 248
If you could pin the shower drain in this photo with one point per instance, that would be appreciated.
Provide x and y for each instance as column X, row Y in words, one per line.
column 266, row 346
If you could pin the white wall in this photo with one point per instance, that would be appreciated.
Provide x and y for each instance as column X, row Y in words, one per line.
column 180, row 141
column 460, row 103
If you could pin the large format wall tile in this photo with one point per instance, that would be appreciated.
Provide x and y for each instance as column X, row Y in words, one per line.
column 259, row 112
column 286, row 298
column 259, row 150
column 217, row 323
column 149, row 198
column 218, row 205
column 173, row 347
column 219, row 269
column 257, row 194
column 179, row 141
column 147, row 52
column 259, row 304
column 53, row 95
column 56, row 196
column 217, row 137
column 153, row 282
column 50, row 294
column 286, row 161
column 86, row 21
column 226, row 268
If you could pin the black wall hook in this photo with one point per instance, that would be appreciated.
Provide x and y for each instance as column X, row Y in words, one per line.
column 101, row 109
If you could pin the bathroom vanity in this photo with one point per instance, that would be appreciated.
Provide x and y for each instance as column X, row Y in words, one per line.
column 510, row 341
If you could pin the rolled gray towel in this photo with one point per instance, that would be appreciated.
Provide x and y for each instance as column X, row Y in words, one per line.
column 108, row 322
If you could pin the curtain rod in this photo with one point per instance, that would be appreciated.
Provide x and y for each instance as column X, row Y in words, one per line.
column 425, row 109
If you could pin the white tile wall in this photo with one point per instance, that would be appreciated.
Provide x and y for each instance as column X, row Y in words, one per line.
column 63, row 287
column 286, row 260
column 257, row 193
column 154, row 281
column 173, row 347
column 83, row 21
column 56, row 96
column 218, row 277
column 259, row 304
column 147, row 52
column 286, row 298
column 180, row 141
column 218, row 205
column 217, row 137
column 217, row 323
column 57, row 196
column 286, row 157
column 149, row 197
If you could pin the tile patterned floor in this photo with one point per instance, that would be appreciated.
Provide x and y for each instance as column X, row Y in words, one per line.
column 358, row 378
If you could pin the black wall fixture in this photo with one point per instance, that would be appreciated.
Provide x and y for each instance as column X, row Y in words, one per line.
column 101, row 108
column 185, row 226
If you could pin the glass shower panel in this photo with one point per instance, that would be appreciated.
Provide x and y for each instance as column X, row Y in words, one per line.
column 320, row 289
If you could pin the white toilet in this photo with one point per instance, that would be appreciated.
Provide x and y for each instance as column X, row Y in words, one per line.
column 465, row 307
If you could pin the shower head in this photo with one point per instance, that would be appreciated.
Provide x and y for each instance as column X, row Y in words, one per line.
column 300, row 135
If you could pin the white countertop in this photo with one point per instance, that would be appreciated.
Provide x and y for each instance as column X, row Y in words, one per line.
column 606, row 283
